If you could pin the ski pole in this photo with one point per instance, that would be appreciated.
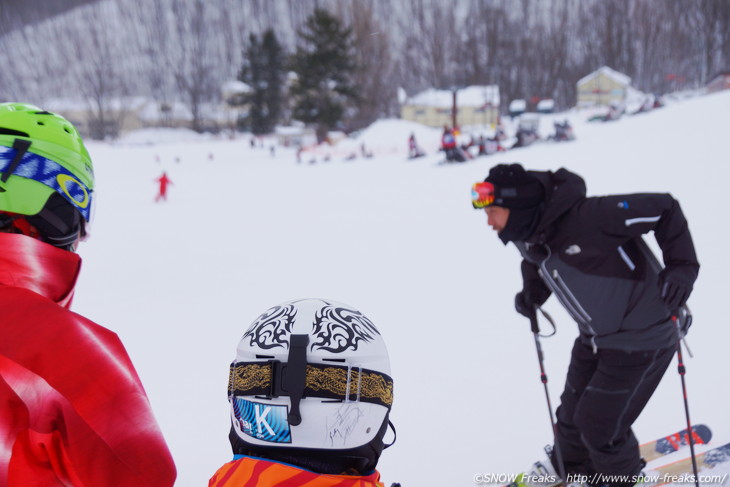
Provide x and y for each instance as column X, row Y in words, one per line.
column 682, row 370
column 682, row 327
column 544, row 379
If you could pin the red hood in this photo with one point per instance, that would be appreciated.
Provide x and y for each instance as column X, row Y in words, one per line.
column 39, row 267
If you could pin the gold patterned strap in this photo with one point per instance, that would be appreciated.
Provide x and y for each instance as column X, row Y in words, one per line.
column 324, row 381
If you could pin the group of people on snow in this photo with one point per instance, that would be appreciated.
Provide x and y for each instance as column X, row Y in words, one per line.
column 310, row 390
column 75, row 412
column 454, row 151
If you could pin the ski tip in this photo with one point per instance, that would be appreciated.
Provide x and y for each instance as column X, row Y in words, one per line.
column 703, row 431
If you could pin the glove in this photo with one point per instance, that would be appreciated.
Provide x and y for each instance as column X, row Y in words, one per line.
column 534, row 293
column 675, row 285
column 524, row 304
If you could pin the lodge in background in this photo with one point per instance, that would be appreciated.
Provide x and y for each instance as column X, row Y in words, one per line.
column 475, row 105
column 603, row 87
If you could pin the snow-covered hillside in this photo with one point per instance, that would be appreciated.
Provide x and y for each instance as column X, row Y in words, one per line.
column 244, row 229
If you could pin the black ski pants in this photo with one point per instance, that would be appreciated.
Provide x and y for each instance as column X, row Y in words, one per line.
column 604, row 394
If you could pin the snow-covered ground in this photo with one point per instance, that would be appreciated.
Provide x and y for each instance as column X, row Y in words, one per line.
column 244, row 229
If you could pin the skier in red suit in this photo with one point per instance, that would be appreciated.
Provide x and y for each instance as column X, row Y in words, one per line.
column 164, row 182
column 74, row 412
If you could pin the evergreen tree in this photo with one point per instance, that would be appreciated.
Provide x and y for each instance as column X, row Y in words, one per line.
column 274, row 73
column 324, row 65
column 263, row 71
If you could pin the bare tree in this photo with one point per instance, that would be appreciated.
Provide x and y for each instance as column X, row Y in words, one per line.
column 100, row 76
column 711, row 22
column 193, row 67
column 177, row 50
column 432, row 47
column 374, row 65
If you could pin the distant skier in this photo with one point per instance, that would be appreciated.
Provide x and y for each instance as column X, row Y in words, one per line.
column 323, row 422
column 482, row 146
column 589, row 253
column 413, row 150
column 448, row 143
column 164, row 182
column 74, row 412
column 615, row 110
column 450, row 147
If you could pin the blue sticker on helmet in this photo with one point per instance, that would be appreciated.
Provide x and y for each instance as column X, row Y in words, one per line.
column 262, row 421
column 51, row 174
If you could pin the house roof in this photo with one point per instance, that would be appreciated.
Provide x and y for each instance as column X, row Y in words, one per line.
column 611, row 73
column 234, row 87
column 471, row 96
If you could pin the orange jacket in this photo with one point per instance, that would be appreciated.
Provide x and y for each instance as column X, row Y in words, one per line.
column 74, row 412
column 256, row 472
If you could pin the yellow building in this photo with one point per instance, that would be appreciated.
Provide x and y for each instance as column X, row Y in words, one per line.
column 476, row 105
column 604, row 86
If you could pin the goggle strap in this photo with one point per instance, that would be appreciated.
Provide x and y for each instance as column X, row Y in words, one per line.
column 54, row 220
column 21, row 146
column 323, row 381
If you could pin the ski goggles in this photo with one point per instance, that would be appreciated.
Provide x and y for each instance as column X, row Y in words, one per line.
column 18, row 161
column 482, row 195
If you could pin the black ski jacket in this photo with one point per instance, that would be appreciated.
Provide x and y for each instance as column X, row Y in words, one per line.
column 588, row 252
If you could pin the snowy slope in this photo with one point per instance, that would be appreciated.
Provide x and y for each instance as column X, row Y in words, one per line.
column 181, row 281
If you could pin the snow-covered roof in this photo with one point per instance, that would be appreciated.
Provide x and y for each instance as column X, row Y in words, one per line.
column 471, row 96
column 546, row 104
column 235, row 86
column 517, row 105
column 611, row 73
column 292, row 130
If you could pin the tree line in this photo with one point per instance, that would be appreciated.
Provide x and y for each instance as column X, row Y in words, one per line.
column 184, row 50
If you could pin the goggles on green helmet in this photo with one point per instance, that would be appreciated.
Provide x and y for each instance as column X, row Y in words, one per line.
column 49, row 173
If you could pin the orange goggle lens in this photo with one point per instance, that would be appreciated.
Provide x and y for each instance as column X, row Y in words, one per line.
column 482, row 194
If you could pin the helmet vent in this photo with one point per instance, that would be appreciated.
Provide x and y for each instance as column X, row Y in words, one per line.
column 4, row 131
column 40, row 123
column 44, row 112
column 340, row 360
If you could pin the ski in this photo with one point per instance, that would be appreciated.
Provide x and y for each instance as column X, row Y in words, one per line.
column 680, row 472
column 701, row 435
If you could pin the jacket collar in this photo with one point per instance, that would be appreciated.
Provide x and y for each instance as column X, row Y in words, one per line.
column 30, row 264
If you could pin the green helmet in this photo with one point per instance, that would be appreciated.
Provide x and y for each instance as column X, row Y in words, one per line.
column 46, row 173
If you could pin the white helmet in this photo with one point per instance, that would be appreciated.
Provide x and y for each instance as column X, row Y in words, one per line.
column 311, row 379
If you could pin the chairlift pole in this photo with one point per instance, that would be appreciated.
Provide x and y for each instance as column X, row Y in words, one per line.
column 454, row 108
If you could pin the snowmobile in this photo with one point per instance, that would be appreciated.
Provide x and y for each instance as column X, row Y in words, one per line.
column 563, row 132
column 525, row 138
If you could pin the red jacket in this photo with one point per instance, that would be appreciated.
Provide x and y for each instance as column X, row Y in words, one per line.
column 257, row 472
column 74, row 412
